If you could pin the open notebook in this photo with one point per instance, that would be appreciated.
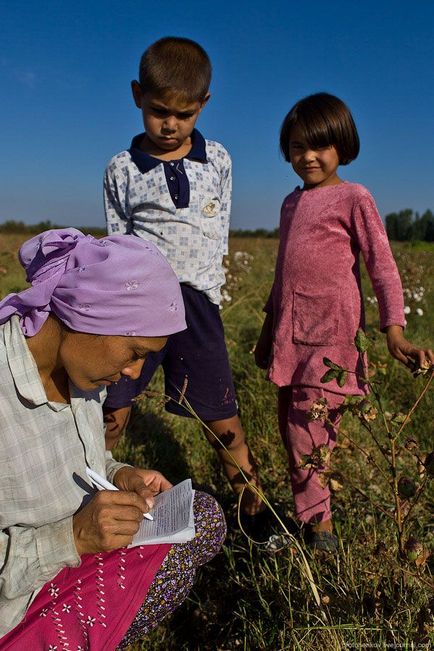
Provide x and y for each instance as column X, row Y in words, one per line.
column 173, row 518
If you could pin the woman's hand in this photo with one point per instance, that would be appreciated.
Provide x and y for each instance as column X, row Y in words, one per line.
column 406, row 352
column 145, row 483
column 109, row 521
column 263, row 347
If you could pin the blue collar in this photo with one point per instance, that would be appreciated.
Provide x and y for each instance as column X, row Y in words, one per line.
column 146, row 163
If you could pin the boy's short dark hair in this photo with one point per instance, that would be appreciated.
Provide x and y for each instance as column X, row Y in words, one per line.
column 324, row 120
column 175, row 64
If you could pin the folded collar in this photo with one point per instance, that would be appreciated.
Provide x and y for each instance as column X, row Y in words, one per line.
column 146, row 163
column 22, row 364
column 25, row 373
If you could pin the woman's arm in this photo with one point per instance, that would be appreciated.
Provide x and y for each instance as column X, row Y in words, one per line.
column 109, row 521
column 112, row 466
column 30, row 557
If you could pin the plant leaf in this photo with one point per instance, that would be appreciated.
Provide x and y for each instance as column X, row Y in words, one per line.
column 306, row 462
column 361, row 341
column 328, row 362
column 342, row 378
column 329, row 375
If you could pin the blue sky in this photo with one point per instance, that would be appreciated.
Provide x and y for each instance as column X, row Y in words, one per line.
column 65, row 109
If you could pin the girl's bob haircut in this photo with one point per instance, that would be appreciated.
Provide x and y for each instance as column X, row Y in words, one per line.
column 324, row 120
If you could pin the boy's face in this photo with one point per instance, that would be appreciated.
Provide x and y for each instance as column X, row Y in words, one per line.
column 168, row 120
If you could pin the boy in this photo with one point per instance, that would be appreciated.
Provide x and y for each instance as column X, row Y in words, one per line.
column 173, row 187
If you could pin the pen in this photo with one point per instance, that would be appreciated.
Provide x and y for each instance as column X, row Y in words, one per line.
column 102, row 484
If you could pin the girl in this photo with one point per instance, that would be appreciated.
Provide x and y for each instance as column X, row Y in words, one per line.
column 315, row 307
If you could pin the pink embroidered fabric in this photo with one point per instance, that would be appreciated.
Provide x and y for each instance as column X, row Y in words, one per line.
column 316, row 300
column 91, row 606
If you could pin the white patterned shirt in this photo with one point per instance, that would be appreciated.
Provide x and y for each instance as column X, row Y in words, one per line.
column 44, row 449
column 183, row 206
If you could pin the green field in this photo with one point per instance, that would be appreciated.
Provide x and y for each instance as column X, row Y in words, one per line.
column 248, row 598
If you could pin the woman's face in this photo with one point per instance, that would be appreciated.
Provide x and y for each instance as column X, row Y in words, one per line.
column 92, row 360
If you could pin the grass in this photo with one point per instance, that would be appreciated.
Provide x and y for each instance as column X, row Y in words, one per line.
column 245, row 598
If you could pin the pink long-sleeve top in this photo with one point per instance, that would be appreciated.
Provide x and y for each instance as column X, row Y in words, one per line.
column 316, row 300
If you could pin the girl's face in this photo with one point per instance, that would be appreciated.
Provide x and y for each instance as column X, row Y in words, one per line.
column 92, row 360
column 316, row 167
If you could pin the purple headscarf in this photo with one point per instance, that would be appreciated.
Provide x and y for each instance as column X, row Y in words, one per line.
column 117, row 285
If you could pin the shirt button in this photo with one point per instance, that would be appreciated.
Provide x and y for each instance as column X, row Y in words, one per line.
column 172, row 178
column 176, row 196
column 172, row 163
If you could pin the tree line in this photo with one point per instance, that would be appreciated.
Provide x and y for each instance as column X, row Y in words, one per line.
column 402, row 226
column 406, row 225
column 11, row 226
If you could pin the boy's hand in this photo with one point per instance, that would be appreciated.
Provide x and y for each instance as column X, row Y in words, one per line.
column 406, row 352
column 262, row 350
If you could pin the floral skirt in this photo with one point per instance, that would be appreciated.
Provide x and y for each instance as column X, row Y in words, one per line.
column 116, row 597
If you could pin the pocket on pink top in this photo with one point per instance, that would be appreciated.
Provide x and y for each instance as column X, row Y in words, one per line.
column 316, row 318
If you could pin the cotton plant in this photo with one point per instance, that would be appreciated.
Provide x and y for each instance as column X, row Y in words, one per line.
column 272, row 545
column 406, row 469
column 234, row 268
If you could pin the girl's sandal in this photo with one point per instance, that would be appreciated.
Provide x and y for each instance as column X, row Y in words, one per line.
column 323, row 541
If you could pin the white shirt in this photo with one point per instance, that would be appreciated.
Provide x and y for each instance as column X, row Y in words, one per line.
column 44, row 449
column 138, row 199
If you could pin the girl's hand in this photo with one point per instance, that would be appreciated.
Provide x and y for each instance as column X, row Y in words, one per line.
column 145, row 483
column 262, row 349
column 406, row 352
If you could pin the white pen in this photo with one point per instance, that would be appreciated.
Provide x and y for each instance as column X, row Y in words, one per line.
column 102, row 484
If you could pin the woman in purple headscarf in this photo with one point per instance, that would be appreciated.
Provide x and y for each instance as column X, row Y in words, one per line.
column 68, row 579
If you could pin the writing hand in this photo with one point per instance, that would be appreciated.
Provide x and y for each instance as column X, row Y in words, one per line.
column 109, row 521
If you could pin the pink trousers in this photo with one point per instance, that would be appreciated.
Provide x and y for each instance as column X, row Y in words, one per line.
column 301, row 437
